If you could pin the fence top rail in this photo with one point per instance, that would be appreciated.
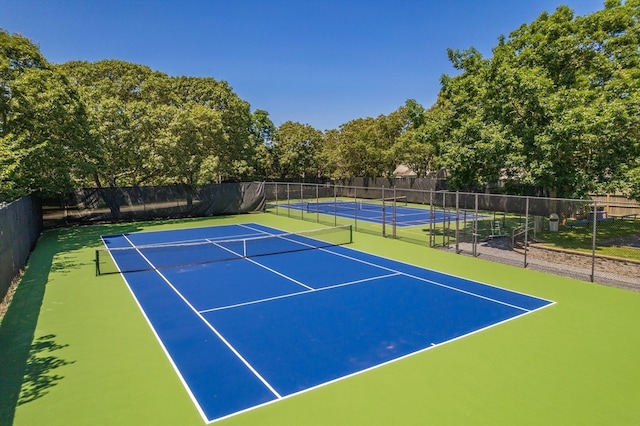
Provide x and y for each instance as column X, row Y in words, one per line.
column 6, row 205
column 440, row 192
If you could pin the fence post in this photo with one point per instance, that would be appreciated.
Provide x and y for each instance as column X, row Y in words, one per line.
column 317, row 203
column 475, row 228
column 335, row 206
column 431, row 217
column 384, row 218
column 355, row 207
column 526, row 231
column 288, row 200
column 393, row 220
column 446, row 223
column 594, row 217
column 301, row 201
column 457, row 222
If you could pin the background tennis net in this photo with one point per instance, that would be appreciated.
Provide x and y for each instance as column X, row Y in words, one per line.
column 157, row 256
column 376, row 204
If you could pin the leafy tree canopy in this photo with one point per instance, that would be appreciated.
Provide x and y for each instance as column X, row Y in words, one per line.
column 45, row 145
column 555, row 107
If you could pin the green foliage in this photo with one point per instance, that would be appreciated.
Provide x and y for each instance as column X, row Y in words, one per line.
column 375, row 146
column 555, row 107
column 295, row 148
column 260, row 153
column 157, row 129
column 45, row 145
column 632, row 180
column 192, row 145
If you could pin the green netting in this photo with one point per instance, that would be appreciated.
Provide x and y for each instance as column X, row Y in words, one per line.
column 20, row 226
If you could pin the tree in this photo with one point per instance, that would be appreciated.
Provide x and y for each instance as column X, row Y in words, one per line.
column 358, row 149
column 555, row 107
column 295, row 148
column 418, row 146
column 388, row 130
column 367, row 146
column 122, row 100
column 235, row 116
column 45, row 145
column 261, row 152
column 191, row 145
column 328, row 157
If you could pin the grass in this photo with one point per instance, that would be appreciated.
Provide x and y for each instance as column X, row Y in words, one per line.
column 75, row 350
column 608, row 235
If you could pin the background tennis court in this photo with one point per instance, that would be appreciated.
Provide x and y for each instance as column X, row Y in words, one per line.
column 76, row 348
column 383, row 211
column 259, row 314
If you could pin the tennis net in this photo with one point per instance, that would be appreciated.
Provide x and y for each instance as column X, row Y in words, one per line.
column 159, row 256
column 352, row 205
column 379, row 203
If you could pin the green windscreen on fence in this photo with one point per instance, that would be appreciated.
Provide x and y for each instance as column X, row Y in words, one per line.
column 20, row 226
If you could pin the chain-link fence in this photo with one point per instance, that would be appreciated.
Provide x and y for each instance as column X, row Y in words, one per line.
column 151, row 202
column 595, row 239
column 20, row 226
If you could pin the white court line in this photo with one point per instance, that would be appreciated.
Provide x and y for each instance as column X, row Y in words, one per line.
column 281, row 274
column 356, row 372
column 196, row 240
column 192, row 242
column 164, row 348
column 407, row 275
column 390, row 361
column 551, row 302
column 284, row 296
column 373, row 367
column 211, row 327
column 265, row 267
column 428, row 281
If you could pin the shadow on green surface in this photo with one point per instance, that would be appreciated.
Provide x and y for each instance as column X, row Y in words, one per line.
column 27, row 365
column 38, row 374
column 18, row 326
column 22, row 364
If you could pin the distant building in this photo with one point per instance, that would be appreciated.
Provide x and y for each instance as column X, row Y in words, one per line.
column 404, row 171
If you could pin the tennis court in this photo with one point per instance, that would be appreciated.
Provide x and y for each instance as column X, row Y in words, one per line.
column 249, row 315
column 381, row 211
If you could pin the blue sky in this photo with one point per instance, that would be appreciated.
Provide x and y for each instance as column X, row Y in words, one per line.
column 321, row 63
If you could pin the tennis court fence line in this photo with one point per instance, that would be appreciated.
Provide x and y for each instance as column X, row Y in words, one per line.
column 20, row 227
column 595, row 239
column 91, row 205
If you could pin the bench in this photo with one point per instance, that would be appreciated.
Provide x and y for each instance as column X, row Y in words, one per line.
column 625, row 216
column 588, row 222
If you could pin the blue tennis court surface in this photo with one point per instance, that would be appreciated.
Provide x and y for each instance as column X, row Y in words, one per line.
column 372, row 211
column 250, row 331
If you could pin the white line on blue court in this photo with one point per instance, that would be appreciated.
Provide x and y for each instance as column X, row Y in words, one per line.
column 403, row 273
column 428, row 281
column 265, row 267
column 211, row 327
column 339, row 252
column 285, row 296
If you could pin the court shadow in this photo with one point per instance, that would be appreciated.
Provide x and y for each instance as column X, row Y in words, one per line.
column 39, row 374
column 19, row 353
column 27, row 365
column 18, row 326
